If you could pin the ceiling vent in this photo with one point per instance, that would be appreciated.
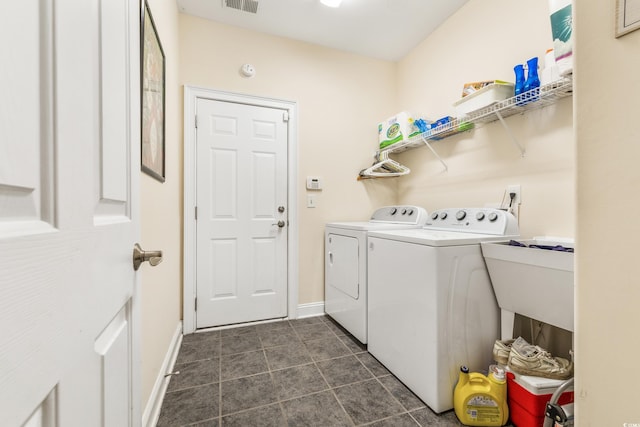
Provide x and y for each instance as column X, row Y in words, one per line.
column 250, row 6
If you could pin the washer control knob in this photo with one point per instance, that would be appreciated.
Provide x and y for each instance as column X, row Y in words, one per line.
column 480, row 216
column 443, row 215
column 493, row 216
column 460, row 215
column 410, row 212
column 404, row 211
column 393, row 211
column 434, row 215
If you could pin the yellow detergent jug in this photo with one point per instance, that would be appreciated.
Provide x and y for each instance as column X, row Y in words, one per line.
column 480, row 400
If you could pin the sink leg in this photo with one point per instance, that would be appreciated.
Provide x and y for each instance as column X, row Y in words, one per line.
column 507, row 319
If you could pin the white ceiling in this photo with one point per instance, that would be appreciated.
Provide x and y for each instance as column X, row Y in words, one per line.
column 384, row 29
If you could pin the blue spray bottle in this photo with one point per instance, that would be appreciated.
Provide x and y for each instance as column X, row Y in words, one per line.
column 532, row 83
column 519, row 88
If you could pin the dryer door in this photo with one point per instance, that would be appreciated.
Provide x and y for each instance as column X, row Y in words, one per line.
column 343, row 263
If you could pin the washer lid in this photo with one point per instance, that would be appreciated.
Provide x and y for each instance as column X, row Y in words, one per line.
column 388, row 218
column 368, row 226
column 427, row 237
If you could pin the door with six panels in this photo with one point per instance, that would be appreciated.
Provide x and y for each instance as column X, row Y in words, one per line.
column 241, row 198
column 69, row 214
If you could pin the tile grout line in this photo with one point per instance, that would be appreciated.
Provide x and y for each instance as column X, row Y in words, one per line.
column 332, row 389
column 377, row 378
column 220, row 377
column 406, row 411
column 271, row 371
column 315, row 364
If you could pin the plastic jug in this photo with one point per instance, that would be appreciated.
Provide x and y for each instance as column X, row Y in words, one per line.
column 481, row 400
column 550, row 72
column 533, row 81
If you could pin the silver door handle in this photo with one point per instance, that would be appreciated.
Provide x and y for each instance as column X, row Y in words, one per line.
column 280, row 223
column 140, row 256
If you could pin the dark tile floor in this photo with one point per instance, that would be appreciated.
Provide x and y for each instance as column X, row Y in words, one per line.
column 307, row 372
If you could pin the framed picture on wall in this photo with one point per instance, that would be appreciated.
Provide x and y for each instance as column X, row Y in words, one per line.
column 153, row 103
column 627, row 16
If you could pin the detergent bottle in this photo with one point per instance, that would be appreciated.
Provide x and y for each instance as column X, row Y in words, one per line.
column 479, row 400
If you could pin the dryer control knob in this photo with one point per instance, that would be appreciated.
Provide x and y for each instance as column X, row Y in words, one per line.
column 410, row 212
column 493, row 216
column 480, row 216
column 434, row 215
column 443, row 215
column 460, row 215
column 393, row 211
column 404, row 211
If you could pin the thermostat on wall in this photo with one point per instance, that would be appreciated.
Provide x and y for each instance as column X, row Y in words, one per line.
column 314, row 183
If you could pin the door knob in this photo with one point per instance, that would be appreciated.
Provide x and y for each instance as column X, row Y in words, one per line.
column 280, row 209
column 140, row 256
column 280, row 223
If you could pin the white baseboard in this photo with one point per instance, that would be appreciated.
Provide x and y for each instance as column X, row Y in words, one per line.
column 154, row 404
column 310, row 310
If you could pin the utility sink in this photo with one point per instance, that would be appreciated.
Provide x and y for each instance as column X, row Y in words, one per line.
column 537, row 283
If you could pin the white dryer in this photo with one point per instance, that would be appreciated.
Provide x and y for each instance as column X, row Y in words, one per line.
column 431, row 304
column 345, row 273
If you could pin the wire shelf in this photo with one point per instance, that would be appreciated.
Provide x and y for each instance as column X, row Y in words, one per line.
column 531, row 100
column 536, row 98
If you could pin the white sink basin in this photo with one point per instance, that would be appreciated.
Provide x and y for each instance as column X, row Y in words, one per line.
column 537, row 283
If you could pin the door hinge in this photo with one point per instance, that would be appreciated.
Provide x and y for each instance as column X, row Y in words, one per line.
column 196, row 213
column 196, row 122
column 285, row 116
column 195, row 304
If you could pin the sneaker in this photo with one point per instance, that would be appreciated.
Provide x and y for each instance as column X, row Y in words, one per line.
column 529, row 359
column 501, row 350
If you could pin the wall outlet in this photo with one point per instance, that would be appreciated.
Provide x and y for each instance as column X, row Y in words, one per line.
column 514, row 189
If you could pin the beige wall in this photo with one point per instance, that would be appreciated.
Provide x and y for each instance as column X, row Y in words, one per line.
column 339, row 102
column 161, row 210
column 478, row 43
column 340, row 98
column 608, row 179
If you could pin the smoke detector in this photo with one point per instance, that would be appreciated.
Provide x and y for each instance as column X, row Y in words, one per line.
column 250, row 6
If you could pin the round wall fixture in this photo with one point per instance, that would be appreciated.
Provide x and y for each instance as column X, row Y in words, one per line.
column 247, row 70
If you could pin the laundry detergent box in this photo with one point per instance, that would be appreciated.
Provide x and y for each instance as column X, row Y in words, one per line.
column 528, row 396
column 395, row 129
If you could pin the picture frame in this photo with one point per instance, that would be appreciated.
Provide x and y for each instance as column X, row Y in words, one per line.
column 152, row 150
column 627, row 16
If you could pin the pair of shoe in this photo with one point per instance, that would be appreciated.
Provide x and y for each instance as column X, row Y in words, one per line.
column 528, row 359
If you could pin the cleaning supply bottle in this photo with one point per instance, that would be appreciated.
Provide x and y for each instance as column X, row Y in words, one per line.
column 519, row 87
column 562, row 34
column 550, row 72
column 533, row 81
column 479, row 400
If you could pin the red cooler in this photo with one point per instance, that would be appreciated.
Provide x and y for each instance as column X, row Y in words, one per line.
column 528, row 396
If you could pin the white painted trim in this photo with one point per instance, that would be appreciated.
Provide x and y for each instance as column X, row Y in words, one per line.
column 154, row 404
column 191, row 95
column 311, row 309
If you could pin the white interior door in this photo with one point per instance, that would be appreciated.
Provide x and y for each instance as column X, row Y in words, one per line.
column 241, row 198
column 69, row 160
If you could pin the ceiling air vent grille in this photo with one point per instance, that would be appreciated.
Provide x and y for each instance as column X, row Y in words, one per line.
column 250, row 6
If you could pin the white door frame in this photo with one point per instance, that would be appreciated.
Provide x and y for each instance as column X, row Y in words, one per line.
column 191, row 96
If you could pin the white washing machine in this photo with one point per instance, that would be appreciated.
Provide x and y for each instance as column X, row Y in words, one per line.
column 431, row 304
column 345, row 272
